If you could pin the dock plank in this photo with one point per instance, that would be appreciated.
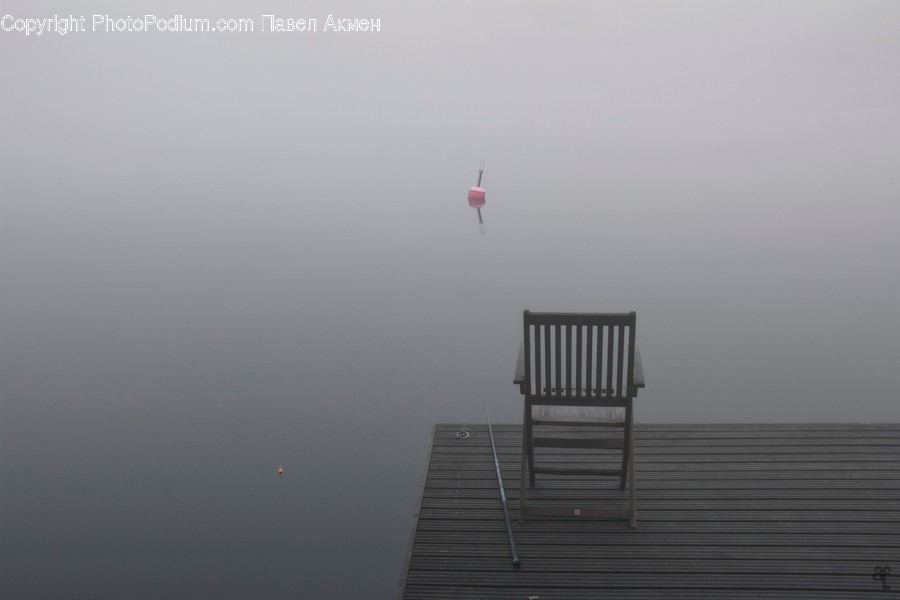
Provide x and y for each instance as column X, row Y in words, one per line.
column 724, row 511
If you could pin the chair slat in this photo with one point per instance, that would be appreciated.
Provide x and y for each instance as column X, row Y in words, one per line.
column 557, row 375
column 569, row 360
column 610, row 337
column 580, row 388
column 632, row 345
column 536, row 357
column 598, row 360
column 620, row 360
column 589, row 365
column 547, row 362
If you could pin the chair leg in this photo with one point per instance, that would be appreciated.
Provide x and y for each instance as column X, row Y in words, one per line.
column 522, row 485
column 525, row 464
column 529, row 434
column 626, row 447
column 632, row 500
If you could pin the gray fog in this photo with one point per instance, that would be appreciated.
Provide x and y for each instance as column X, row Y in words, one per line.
column 222, row 252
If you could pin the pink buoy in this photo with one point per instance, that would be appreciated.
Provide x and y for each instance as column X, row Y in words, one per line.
column 476, row 197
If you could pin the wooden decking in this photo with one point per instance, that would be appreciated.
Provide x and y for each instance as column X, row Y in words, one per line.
column 724, row 511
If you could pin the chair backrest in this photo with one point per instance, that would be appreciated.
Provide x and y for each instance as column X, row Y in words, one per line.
column 580, row 358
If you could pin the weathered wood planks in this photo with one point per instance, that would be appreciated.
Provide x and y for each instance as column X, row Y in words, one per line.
column 726, row 511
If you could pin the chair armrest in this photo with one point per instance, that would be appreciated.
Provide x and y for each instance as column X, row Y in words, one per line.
column 519, row 377
column 638, row 368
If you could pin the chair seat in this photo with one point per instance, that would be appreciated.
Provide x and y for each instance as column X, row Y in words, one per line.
column 561, row 415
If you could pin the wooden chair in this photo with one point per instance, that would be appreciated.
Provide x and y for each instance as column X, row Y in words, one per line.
column 579, row 374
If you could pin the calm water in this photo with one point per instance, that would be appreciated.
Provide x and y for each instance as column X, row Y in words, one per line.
column 144, row 415
column 218, row 257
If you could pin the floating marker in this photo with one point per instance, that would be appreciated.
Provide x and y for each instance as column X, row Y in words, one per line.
column 476, row 197
column 280, row 470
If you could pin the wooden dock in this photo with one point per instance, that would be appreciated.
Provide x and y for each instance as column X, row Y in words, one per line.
column 724, row 511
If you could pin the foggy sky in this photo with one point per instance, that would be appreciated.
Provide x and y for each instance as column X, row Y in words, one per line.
column 232, row 245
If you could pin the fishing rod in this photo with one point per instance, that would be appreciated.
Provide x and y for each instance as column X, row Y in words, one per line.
column 509, row 531
column 476, row 200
